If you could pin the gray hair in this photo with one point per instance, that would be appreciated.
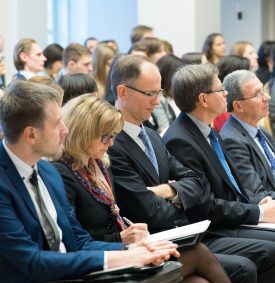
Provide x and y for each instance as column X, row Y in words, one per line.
column 233, row 83
column 189, row 81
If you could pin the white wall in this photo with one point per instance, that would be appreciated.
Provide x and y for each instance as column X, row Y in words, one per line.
column 20, row 19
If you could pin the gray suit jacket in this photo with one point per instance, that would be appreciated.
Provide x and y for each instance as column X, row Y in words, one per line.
column 255, row 173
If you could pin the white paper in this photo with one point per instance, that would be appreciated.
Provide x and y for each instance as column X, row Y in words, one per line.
column 261, row 226
column 181, row 232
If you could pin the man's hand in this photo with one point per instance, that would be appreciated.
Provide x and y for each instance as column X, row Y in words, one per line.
column 164, row 190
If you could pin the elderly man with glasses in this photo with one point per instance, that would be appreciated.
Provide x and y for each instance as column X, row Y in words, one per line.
column 251, row 148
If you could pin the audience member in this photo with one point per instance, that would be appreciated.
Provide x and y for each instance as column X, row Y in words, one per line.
column 151, row 186
column 28, row 59
column 40, row 237
column 91, row 43
column 246, row 49
column 77, row 59
column 52, row 83
column 193, row 58
column 270, row 89
column 74, row 85
column 154, row 48
column 251, row 148
column 168, row 47
column 138, row 48
column 227, row 65
column 214, row 47
column 111, row 43
column 102, row 60
column 264, row 61
column 139, row 32
column 168, row 65
column 54, row 62
column 199, row 94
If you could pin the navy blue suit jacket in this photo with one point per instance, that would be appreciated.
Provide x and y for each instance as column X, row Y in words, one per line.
column 24, row 252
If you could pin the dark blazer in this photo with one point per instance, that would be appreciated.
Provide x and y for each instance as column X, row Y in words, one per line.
column 24, row 252
column 93, row 215
column 255, row 172
column 133, row 172
column 185, row 141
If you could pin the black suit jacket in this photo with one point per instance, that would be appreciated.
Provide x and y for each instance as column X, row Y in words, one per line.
column 133, row 172
column 185, row 141
column 255, row 172
column 94, row 216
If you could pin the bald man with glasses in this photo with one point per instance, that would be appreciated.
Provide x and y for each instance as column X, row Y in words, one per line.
column 251, row 148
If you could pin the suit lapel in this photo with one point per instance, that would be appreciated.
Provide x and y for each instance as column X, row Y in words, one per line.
column 16, row 180
column 256, row 148
column 138, row 155
column 207, row 149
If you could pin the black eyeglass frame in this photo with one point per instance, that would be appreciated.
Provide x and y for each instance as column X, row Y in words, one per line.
column 259, row 95
column 147, row 93
column 106, row 138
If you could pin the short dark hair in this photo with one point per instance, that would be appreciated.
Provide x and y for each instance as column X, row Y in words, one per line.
column 53, row 53
column 138, row 32
column 189, row 81
column 233, row 84
column 73, row 52
column 23, row 105
column 192, row 58
column 76, row 84
column 231, row 63
column 126, row 70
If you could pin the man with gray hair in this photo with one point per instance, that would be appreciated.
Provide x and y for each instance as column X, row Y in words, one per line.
column 251, row 148
column 199, row 94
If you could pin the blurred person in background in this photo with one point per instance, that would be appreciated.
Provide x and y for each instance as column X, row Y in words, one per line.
column 214, row 47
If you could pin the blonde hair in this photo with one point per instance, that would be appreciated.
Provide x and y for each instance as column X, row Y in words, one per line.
column 238, row 48
column 87, row 118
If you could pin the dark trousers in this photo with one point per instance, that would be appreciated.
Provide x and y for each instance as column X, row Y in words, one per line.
column 255, row 261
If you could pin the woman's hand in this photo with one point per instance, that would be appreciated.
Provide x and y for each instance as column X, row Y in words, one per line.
column 134, row 233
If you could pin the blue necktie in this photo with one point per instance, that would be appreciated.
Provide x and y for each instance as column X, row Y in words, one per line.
column 267, row 151
column 149, row 151
column 217, row 147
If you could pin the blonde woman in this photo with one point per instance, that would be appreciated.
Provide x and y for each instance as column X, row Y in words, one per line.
column 102, row 60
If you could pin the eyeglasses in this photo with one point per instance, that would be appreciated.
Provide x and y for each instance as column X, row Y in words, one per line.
column 222, row 90
column 259, row 95
column 106, row 138
column 147, row 93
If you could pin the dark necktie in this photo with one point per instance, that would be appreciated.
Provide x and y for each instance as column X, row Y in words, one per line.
column 149, row 151
column 267, row 151
column 217, row 147
column 55, row 241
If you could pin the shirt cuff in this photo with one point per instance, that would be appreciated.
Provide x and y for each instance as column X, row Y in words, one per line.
column 105, row 262
column 261, row 216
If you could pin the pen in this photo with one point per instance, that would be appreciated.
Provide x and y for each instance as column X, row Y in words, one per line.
column 127, row 221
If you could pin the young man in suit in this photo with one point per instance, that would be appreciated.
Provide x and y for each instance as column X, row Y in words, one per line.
column 248, row 104
column 153, row 187
column 40, row 238
column 28, row 59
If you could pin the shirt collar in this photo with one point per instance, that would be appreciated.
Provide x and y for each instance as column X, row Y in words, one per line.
column 24, row 170
column 28, row 75
column 250, row 129
column 204, row 128
column 131, row 129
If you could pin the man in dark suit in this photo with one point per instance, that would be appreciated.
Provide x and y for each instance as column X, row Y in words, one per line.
column 248, row 104
column 40, row 240
column 152, row 186
column 199, row 94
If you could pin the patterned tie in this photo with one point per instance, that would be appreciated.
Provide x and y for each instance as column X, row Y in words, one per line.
column 267, row 151
column 217, row 147
column 54, row 243
column 149, row 151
